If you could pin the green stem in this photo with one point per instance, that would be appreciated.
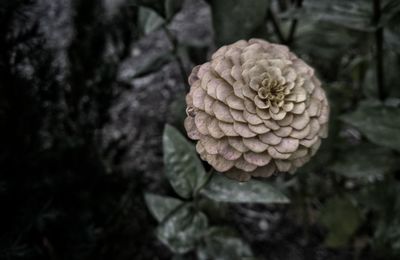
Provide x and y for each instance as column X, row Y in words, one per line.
column 379, row 50
column 210, row 174
column 275, row 25
column 293, row 26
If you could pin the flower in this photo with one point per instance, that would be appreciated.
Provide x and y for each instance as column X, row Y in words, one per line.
column 256, row 109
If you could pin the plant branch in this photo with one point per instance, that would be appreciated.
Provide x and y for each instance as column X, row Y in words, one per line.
column 276, row 25
column 293, row 26
column 379, row 50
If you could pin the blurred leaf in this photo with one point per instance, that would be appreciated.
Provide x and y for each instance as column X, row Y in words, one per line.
column 215, row 210
column 237, row 19
column 165, row 8
column 172, row 7
column 383, row 201
column 181, row 230
column 223, row 189
column 342, row 219
column 161, row 206
column 333, row 40
column 364, row 161
column 390, row 9
column 178, row 257
column 391, row 68
column 356, row 14
column 156, row 5
column 223, row 243
column 392, row 33
column 149, row 20
column 379, row 123
column 183, row 167
column 151, row 64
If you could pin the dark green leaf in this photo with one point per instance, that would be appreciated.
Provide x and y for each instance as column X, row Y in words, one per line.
column 223, row 243
column 367, row 162
column 165, row 8
column 161, row 206
column 237, row 19
column 181, row 230
column 342, row 219
column 379, row 123
column 390, row 9
column 354, row 14
column 149, row 20
column 151, row 64
column 223, row 189
column 183, row 167
column 383, row 201
column 156, row 5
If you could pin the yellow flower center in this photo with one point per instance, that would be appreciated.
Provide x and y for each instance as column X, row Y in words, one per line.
column 272, row 92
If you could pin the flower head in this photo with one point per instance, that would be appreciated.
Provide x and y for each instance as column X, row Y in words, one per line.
column 256, row 109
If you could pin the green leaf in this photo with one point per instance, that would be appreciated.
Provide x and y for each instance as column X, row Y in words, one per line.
column 223, row 243
column 183, row 167
column 354, row 14
column 149, row 20
column 379, row 123
column 368, row 162
column 390, row 9
column 223, row 189
column 237, row 19
column 177, row 112
column 182, row 230
column 342, row 219
column 384, row 200
column 165, row 8
column 161, row 206
column 151, row 64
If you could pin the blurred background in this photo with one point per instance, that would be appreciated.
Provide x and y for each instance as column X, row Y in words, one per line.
column 86, row 88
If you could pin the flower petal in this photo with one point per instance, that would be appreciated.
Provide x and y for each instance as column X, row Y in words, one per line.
column 243, row 130
column 237, row 143
column 287, row 145
column 242, row 164
column 222, row 112
column 227, row 151
column 191, row 128
column 259, row 159
column 252, row 118
column 227, row 128
column 235, row 102
column 270, row 138
column 219, row 162
column 255, row 145
column 201, row 120
column 259, row 129
column 277, row 155
column 213, row 128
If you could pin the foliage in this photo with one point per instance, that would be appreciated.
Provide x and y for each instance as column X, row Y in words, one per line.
column 183, row 224
column 66, row 191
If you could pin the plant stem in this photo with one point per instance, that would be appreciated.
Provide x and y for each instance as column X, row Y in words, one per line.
column 276, row 25
column 379, row 50
column 172, row 39
column 293, row 26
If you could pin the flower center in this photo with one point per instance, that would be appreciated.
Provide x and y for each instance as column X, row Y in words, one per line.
column 272, row 92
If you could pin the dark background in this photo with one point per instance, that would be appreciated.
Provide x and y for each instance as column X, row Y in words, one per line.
column 87, row 86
